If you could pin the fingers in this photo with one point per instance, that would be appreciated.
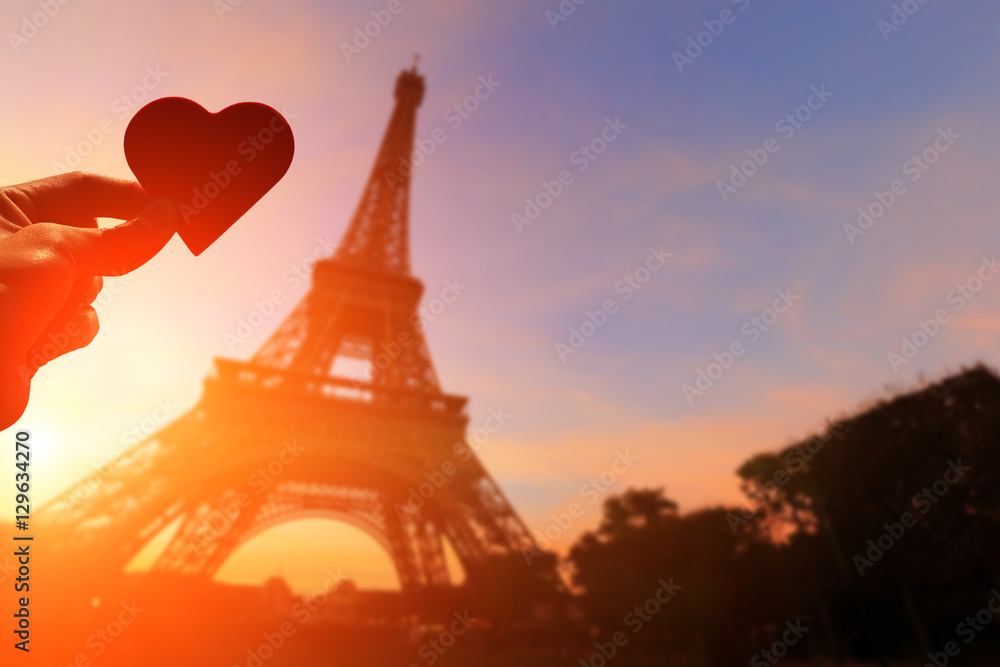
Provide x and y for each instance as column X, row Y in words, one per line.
column 14, row 388
column 91, row 289
column 81, row 221
column 85, row 290
column 74, row 327
column 11, row 215
column 76, row 199
column 118, row 250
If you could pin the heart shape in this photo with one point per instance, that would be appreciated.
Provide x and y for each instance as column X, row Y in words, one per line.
column 215, row 166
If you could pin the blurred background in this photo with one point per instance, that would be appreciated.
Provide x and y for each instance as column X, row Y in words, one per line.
column 788, row 208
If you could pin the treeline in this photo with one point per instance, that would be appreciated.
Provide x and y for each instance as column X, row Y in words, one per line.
column 875, row 539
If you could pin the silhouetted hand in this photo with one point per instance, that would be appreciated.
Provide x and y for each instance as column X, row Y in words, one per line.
column 52, row 257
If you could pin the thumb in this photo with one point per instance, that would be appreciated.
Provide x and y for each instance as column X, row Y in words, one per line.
column 114, row 251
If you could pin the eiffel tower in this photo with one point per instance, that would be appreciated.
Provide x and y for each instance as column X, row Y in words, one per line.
column 349, row 449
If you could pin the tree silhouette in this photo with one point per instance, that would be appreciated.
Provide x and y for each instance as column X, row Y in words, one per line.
column 878, row 533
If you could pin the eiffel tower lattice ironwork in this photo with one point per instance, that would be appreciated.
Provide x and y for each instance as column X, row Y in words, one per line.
column 283, row 436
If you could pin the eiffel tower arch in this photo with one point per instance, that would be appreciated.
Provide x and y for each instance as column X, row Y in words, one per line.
column 285, row 436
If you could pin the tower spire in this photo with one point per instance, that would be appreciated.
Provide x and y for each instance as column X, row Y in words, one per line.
column 378, row 236
column 362, row 308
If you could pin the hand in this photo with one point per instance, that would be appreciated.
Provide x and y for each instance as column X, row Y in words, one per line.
column 52, row 257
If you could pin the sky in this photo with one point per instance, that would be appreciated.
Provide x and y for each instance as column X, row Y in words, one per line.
column 680, row 250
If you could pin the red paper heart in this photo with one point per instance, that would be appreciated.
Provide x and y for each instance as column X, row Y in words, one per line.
column 215, row 166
